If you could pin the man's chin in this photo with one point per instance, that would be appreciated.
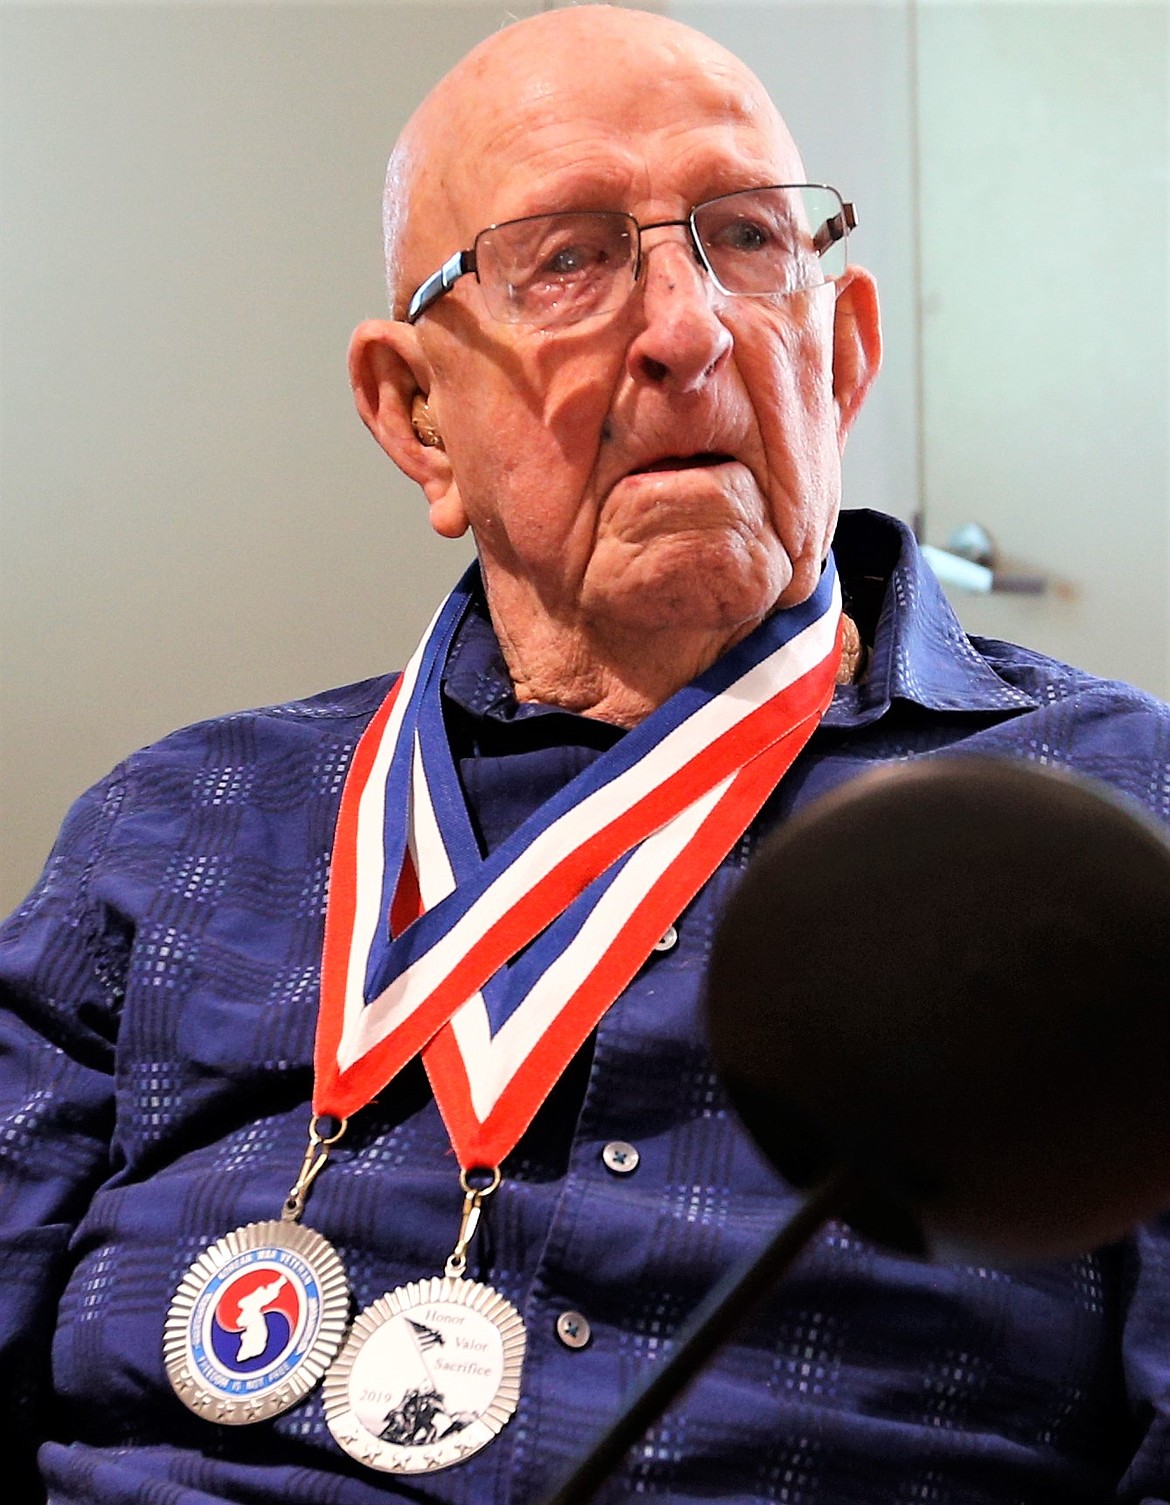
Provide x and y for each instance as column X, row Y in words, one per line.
column 690, row 591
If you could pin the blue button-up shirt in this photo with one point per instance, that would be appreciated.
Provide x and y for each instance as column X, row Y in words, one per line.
column 155, row 1075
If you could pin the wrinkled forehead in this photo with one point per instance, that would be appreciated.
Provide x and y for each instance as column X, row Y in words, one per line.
column 561, row 115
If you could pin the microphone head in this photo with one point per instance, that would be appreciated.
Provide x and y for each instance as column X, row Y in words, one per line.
column 951, row 975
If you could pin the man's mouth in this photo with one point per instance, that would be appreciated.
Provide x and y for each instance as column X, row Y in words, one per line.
column 682, row 462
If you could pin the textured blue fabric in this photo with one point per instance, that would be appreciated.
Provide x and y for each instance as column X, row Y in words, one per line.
column 155, row 1053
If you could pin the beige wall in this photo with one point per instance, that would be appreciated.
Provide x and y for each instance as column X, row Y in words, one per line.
column 191, row 517
column 1046, row 316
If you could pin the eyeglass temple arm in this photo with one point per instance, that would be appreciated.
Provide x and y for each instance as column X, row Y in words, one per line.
column 440, row 282
column 835, row 228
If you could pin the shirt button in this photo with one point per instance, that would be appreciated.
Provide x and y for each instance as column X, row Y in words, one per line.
column 573, row 1330
column 668, row 940
column 620, row 1157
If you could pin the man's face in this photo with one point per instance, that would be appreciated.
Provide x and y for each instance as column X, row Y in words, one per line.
column 672, row 464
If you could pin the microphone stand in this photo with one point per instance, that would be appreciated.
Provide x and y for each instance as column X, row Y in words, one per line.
column 731, row 1300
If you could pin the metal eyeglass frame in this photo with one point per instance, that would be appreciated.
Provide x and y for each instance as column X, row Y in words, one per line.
column 835, row 228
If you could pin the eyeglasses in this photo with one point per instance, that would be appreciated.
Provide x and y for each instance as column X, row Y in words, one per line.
column 555, row 269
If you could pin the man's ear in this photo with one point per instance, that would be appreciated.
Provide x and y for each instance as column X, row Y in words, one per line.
column 391, row 381
column 857, row 345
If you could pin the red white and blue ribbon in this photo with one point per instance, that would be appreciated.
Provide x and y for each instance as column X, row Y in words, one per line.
column 496, row 969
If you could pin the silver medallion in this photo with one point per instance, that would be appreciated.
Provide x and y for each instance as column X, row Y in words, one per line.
column 430, row 1373
column 255, row 1322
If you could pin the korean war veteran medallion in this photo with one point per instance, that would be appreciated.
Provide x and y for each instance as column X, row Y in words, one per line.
column 255, row 1322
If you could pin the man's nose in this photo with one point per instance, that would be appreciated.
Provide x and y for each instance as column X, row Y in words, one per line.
column 681, row 341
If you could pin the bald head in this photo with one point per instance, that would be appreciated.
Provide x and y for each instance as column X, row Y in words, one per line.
column 549, row 68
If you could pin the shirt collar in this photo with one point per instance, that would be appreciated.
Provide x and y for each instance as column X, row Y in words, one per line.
column 918, row 653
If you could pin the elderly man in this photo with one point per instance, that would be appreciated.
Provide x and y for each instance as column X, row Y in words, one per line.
column 392, row 1192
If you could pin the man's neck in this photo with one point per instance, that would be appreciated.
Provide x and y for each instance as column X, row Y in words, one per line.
column 621, row 688
column 617, row 682
column 622, row 683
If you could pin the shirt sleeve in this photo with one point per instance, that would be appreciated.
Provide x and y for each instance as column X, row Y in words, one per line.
column 1146, row 1360
column 61, row 982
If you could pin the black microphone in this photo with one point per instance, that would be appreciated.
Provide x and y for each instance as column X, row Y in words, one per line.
column 952, row 977
column 939, row 1002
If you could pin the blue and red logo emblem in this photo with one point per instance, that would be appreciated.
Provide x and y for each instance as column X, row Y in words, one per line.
column 254, row 1322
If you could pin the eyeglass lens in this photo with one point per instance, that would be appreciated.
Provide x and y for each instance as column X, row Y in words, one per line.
column 759, row 241
column 557, row 268
column 560, row 268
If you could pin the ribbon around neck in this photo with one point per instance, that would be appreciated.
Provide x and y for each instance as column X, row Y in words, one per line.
column 496, row 969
